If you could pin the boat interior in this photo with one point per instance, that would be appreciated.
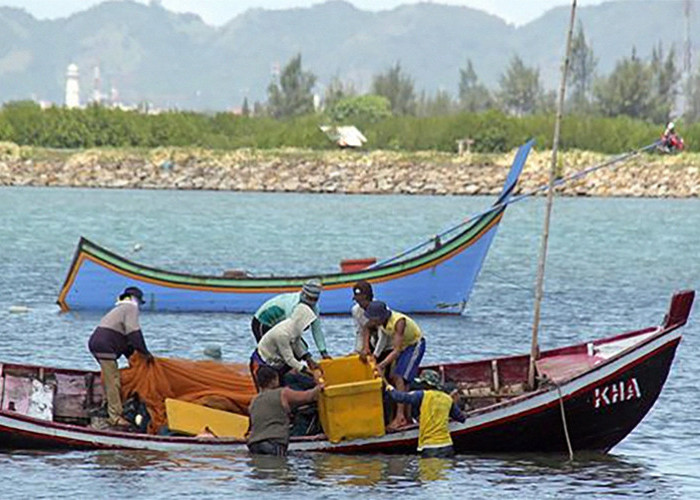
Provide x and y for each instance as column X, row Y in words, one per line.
column 73, row 396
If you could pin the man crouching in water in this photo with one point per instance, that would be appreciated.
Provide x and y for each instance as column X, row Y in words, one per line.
column 269, row 413
column 436, row 408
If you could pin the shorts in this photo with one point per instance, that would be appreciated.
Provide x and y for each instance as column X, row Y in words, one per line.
column 409, row 360
column 258, row 329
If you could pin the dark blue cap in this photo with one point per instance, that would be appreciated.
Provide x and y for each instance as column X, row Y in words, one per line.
column 135, row 292
column 377, row 310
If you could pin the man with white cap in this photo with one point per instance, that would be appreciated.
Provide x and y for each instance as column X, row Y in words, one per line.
column 363, row 295
column 282, row 306
column 283, row 348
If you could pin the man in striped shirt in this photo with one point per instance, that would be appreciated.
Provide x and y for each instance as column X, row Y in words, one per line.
column 118, row 334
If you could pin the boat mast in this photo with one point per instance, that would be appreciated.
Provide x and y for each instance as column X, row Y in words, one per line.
column 534, row 348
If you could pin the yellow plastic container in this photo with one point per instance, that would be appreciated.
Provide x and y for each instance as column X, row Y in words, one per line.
column 192, row 419
column 350, row 406
column 345, row 370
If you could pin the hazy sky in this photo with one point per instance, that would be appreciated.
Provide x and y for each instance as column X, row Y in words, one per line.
column 218, row 12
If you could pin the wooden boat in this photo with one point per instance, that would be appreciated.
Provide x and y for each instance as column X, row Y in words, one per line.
column 601, row 389
column 438, row 280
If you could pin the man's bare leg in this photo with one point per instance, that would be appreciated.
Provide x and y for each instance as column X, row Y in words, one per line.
column 400, row 419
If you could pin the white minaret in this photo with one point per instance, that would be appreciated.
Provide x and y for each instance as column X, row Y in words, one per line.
column 72, row 87
column 97, row 86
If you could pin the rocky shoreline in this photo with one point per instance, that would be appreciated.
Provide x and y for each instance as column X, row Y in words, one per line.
column 350, row 172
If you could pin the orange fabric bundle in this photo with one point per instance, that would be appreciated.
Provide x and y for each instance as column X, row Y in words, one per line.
column 225, row 386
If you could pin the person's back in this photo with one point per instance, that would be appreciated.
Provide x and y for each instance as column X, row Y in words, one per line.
column 281, row 344
column 412, row 332
column 282, row 306
column 110, row 338
column 435, row 410
column 434, row 429
column 118, row 334
column 269, row 413
column 277, row 308
column 269, row 421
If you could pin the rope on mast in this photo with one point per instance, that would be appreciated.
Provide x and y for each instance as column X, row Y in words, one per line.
column 516, row 199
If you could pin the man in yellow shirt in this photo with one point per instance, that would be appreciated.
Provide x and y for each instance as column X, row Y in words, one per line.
column 408, row 350
column 436, row 408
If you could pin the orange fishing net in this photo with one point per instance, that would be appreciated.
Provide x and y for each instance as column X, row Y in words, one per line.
column 225, row 386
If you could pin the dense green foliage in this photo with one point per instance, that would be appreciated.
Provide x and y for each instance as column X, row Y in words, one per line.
column 292, row 95
column 26, row 124
column 365, row 108
column 398, row 87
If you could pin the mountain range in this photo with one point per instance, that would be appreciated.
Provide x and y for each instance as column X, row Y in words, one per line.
column 148, row 53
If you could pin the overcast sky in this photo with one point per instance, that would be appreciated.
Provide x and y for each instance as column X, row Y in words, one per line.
column 218, row 12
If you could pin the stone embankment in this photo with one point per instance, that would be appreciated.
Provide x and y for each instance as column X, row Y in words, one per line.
column 377, row 172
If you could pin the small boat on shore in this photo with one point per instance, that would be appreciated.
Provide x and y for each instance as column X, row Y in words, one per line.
column 591, row 394
column 435, row 279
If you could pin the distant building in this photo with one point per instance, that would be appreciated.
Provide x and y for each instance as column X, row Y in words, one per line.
column 96, row 86
column 347, row 136
column 72, row 87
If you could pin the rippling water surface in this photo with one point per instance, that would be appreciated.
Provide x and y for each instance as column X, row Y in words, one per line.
column 613, row 265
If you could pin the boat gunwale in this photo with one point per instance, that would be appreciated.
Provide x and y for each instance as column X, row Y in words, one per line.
column 385, row 272
column 456, row 428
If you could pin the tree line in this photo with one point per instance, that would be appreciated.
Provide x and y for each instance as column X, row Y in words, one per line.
column 621, row 111
column 644, row 90
column 492, row 130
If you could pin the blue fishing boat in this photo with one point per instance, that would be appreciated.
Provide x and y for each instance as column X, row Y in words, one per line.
column 430, row 279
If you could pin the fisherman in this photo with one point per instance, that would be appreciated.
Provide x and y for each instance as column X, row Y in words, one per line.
column 269, row 413
column 670, row 140
column 283, row 349
column 363, row 295
column 408, row 350
column 436, row 409
column 118, row 334
column 281, row 307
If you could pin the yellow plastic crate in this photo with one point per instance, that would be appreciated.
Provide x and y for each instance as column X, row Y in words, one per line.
column 345, row 370
column 350, row 406
column 192, row 419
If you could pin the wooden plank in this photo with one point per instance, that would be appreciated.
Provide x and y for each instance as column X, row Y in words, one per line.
column 71, row 394
column 17, row 393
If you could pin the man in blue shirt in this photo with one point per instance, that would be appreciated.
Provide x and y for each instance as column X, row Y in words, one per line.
column 436, row 409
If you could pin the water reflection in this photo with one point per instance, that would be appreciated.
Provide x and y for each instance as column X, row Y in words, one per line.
column 340, row 475
column 433, row 469
column 350, row 470
column 272, row 469
column 128, row 460
column 589, row 472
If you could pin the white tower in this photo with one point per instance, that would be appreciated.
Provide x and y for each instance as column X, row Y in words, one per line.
column 72, row 87
column 97, row 86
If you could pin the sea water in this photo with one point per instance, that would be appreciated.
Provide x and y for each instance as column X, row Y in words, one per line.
column 612, row 267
